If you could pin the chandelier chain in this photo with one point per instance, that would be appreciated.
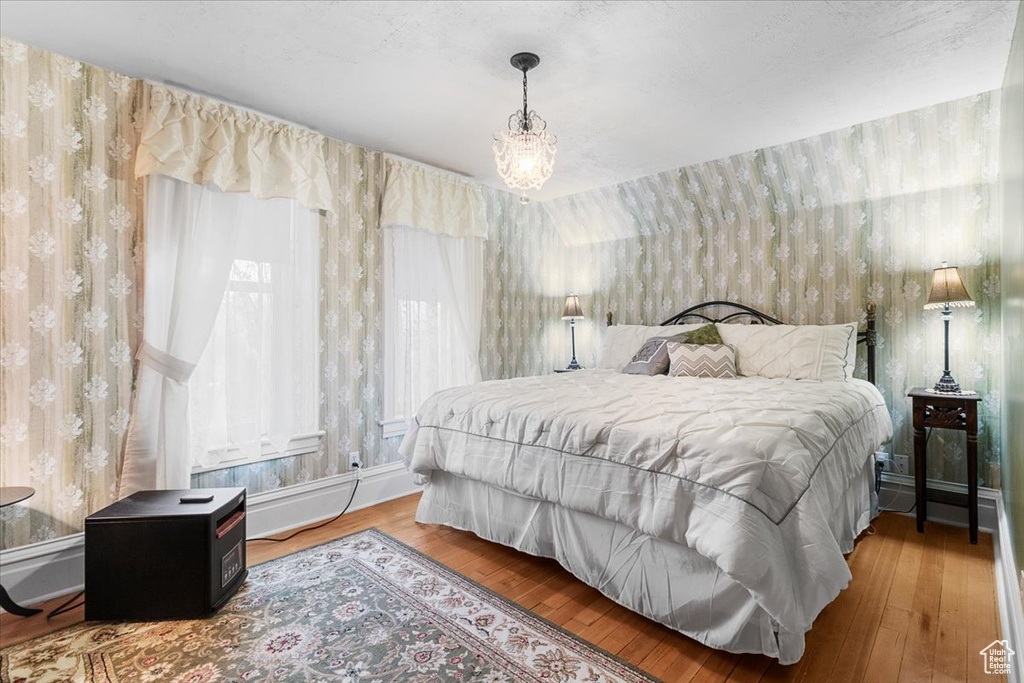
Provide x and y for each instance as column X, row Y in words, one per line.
column 526, row 116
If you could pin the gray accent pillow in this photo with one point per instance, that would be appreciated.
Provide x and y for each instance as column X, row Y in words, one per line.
column 702, row 360
column 652, row 358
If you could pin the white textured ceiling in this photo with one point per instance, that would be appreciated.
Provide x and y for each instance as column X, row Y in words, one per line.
column 630, row 88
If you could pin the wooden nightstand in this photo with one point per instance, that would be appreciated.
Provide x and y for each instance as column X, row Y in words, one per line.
column 945, row 411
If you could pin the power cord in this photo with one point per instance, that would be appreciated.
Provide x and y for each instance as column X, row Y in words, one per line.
column 899, row 490
column 318, row 526
column 899, row 487
column 879, row 466
column 66, row 606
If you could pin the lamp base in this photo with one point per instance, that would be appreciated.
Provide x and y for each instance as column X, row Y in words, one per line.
column 573, row 365
column 946, row 384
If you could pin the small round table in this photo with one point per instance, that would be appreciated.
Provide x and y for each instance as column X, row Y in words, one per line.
column 9, row 495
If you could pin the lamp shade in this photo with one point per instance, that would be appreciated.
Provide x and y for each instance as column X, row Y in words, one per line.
column 948, row 289
column 572, row 310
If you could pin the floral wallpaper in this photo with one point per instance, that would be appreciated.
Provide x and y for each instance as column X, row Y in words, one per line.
column 807, row 231
column 69, row 268
column 522, row 327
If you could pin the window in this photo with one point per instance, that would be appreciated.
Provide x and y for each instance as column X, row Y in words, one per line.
column 433, row 289
column 254, row 393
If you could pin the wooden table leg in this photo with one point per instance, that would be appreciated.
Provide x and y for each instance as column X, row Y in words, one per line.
column 972, row 471
column 920, row 478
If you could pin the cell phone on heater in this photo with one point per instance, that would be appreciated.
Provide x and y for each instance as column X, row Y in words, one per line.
column 197, row 498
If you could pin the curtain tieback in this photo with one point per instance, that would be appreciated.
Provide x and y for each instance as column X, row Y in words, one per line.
column 166, row 364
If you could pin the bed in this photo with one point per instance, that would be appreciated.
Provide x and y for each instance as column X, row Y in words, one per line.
column 721, row 508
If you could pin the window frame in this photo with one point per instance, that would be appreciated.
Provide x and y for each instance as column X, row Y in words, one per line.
column 300, row 444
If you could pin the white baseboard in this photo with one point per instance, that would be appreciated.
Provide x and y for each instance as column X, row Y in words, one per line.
column 897, row 493
column 41, row 571
column 272, row 512
column 1008, row 595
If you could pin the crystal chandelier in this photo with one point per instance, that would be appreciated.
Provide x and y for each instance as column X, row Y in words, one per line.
column 525, row 151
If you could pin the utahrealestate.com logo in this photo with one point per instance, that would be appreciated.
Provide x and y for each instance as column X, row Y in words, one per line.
column 997, row 657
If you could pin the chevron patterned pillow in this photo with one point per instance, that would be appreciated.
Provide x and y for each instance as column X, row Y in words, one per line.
column 701, row 360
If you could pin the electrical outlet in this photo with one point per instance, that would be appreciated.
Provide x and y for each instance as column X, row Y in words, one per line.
column 900, row 463
column 882, row 457
column 355, row 460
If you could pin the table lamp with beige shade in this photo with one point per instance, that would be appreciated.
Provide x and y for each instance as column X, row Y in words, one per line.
column 947, row 291
column 572, row 312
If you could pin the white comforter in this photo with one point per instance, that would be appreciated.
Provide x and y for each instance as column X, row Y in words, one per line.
column 743, row 471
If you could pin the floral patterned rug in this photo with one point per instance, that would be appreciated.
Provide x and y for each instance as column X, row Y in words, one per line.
column 364, row 608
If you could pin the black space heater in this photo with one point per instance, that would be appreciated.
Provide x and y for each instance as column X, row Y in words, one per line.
column 165, row 554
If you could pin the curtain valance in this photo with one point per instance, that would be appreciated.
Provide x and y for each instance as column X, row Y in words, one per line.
column 419, row 197
column 198, row 140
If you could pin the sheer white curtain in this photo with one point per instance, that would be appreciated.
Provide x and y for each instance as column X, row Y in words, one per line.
column 433, row 307
column 255, row 388
column 194, row 234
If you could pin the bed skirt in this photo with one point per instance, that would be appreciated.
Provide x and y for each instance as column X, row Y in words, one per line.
column 662, row 580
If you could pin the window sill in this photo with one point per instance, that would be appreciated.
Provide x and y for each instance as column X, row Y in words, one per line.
column 391, row 429
column 301, row 444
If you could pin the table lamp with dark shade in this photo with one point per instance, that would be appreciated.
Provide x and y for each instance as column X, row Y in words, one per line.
column 947, row 291
column 573, row 312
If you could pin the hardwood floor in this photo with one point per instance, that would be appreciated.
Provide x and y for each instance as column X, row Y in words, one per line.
column 919, row 608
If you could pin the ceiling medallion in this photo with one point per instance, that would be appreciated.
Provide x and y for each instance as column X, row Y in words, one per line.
column 525, row 151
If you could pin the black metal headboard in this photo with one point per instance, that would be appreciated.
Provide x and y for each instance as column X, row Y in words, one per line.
column 694, row 312
column 755, row 317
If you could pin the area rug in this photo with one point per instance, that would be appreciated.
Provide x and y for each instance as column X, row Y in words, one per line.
column 362, row 609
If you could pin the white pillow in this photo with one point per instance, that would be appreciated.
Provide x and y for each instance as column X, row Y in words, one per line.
column 815, row 352
column 851, row 353
column 621, row 342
